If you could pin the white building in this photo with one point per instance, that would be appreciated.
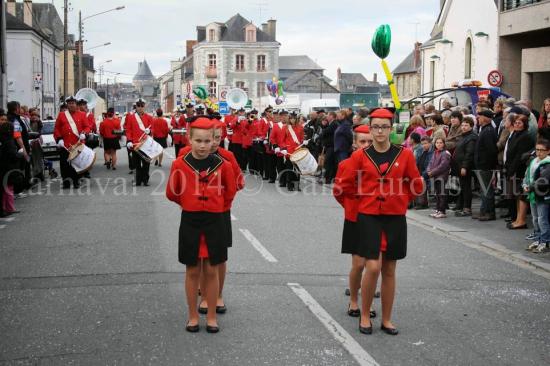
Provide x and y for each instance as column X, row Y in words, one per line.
column 32, row 63
column 463, row 44
column 236, row 54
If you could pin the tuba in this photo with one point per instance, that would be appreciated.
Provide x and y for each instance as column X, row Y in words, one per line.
column 89, row 95
column 236, row 98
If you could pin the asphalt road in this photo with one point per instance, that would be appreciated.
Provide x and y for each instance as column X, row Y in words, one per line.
column 91, row 278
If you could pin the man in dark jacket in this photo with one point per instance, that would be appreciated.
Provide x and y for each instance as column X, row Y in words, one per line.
column 312, row 129
column 21, row 133
column 327, row 143
column 463, row 158
column 343, row 138
column 485, row 160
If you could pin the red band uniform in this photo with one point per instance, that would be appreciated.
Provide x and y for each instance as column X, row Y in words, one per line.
column 106, row 128
column 134, row 134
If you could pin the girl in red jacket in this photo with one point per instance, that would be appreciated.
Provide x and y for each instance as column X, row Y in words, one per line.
column 203, row 184
column 160, row 131
column 384, row 179
column 293, row 139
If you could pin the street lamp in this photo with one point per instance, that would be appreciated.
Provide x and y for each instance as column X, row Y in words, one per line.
column 81, row 48
column 100, row 45
column 101, row 69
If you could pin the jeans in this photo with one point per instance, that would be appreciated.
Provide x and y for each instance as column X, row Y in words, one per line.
column 487, row 192
column 539, row 211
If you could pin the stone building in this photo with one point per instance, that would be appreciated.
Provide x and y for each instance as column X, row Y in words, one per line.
column 407, row 75
column 524, row 49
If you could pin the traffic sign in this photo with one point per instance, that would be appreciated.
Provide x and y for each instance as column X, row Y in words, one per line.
column 495, row 78
column 224, row 108
column 223, row 89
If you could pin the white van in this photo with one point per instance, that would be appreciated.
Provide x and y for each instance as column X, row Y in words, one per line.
column 311, row 105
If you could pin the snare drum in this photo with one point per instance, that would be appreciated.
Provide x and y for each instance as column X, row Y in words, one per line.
column 149, row 149
column 81, row 158
column 305, row 162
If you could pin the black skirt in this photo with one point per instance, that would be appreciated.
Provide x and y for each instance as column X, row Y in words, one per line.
column 228, row 229
column 111, row 144
column 369, row 229
column 350, row 238
column 192, row 225
column 161, row 141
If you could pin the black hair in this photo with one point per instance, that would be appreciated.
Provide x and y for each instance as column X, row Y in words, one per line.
column 544, row 142
column 457, row 114
column 438, row 120
column 12, row 106
column 415, row 137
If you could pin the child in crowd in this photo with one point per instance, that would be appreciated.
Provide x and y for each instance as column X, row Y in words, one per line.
column 536, row 184
column 438, row 171
column 422, row 162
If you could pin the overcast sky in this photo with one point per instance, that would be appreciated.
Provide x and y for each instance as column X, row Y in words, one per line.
column 333, row 33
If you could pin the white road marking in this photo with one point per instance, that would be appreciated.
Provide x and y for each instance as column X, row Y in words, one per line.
column 362, row 357
column 2, row 227
column 7, row 219
column 233, row 218
column 258, row 246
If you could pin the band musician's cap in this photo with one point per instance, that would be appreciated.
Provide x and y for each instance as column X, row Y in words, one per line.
column 70, row 99
column 362, row 129
column 189, row 105
column 140, row 101
column 381, row 113
column 82, row 101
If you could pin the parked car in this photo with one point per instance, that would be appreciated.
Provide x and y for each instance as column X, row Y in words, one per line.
column 49, row 146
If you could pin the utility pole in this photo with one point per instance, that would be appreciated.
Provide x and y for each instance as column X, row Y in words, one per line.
column 3, row 71
column 65, row 51
column 80, row 49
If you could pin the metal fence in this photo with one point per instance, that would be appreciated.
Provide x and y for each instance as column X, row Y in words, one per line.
column 513, row 4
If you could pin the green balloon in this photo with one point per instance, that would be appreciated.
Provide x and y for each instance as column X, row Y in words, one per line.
column 381, row 41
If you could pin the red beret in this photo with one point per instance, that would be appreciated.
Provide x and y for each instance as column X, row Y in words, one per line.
column 202, row 123
column 362, row 129
column 381, row 113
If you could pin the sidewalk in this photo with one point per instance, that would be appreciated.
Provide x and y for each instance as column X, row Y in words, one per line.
column 491, row 234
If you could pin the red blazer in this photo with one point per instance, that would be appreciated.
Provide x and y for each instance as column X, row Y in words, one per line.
column 289, row 143
column 247, row 131
column 91, row 121
column 237, row 128
column 350, row 203
column 228, row 123
column 133, row 131
column 211, row 192
column 63, row 131
column 277, row 137
column 159, row 128
column 230, row 158
column 107, row 126
column 179, row 123
column 259, row 128
column 378, row 194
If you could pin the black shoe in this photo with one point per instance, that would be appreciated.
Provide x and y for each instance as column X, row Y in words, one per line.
column 156, row 163
column 108, row 164
column 131, row 172
column 390, row 331
column 114, row 168
column 347, row 292
column 487, row 217
column 221, row 309
column 282, row 185
column 203, row 310
column 365, row 330
column 192, row 328
column 146, row 184
column 212, row 328
column 354, row 313
column 372, row 313
column 377, row 294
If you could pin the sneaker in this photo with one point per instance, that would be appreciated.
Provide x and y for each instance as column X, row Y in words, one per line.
column 542, row 247
column 434, row 214
column 463, row 213
column 534, row 245
column 440, row 215
column 531, row 236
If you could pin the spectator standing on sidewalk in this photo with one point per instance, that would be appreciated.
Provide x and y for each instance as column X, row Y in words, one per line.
column 422, row 162
column 463, row 158
column 455, row 131
column 343, row 138
column 544, row 114
column 327, row 142
column 8, row 162
column 438, row 171
column 536, row 185
column 485, row 159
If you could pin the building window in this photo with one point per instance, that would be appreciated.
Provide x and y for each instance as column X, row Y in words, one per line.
column 212, row 61
column 211, row 35
column 261, row 91
column 239, row 63
column 432, row 75
column 239, row 84
column 468, row 59
column 261, row 63
column 213, row 88
column 250, row 35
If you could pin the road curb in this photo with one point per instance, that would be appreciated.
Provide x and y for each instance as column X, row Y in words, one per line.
column 462, row 234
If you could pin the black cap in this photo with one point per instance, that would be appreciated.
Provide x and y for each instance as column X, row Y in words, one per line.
column 254, row 111
column 111, row 110
column 200, row 106
column 82, row 101
column 189, row 105
column 140, row 101
column 241, row 109
column 282, row 111
column 486, row 113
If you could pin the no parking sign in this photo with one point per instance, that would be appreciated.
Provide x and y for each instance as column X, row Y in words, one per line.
column 495, row 78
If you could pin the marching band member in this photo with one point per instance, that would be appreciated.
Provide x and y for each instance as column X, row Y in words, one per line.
column 110, row 141
column 178, row 123
column 384, row 178
column 269, row 162
column 203, row 184
column 70, row 128
column 237, row 125
column 160, row 131
column 362, row 140
column 247, row 139
column 277, row 141
column 293, row 139
column 259, row 133
column 228, row 120
column 90, row 119
column 137, row 126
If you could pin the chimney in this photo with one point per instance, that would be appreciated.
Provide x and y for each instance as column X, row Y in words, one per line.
column 27, row 12
column 272, row 28
column 416, row 56
column 338, row 77
column 10, row 7
column 375, row 78
column 264, row 27
column 189, row 44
